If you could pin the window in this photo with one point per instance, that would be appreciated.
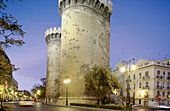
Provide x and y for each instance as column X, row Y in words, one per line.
column 134, row 86
column 146, row 73
column 134, row 76
column 163, row 72
column 158, row 93
column 163, row 84
column 158, row 72
column 157, row 83
column 129, row 86
column 163, row 94
column 146, row 84
column 140, row 85
column 168, row 84
column 168, row 74
column 146, row 94
column 140, row 75
column 168, row 93
column 139, row 101
column 168, row 63
column 133, row 94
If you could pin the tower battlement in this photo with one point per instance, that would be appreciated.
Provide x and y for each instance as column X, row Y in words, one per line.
column 104, row 7
column 53, row 34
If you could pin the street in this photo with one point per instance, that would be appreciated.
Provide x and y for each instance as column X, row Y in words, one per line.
column 13, row 106
column 146, row 109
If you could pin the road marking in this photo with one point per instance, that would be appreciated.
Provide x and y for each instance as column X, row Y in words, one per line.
column 14, row 106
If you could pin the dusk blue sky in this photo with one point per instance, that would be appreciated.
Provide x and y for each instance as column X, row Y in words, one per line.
column 140, row 29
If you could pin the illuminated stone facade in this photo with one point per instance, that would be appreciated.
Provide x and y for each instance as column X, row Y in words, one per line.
column 150, row 77
column 53, row 40
column 85, row 41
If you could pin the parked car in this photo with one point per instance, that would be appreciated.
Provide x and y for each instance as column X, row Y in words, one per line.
column 157, row 105
column 26, row 102
column 163, row 106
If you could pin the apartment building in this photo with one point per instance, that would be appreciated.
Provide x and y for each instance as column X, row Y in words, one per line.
column 8, row 85
column 150, row 80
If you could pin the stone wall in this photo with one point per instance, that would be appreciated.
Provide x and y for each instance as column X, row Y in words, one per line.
column 53, row 39
column 85, row 41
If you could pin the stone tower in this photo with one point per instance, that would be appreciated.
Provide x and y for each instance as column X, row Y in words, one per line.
column 53, row 40
column 85, row 42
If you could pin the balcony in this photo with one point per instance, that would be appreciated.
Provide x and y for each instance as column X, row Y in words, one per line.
column 168, row 88
column 145, row 87
column 163, row 77
column 128, row 80
column 128, row 88
column 146, row 77
column 159, row 77
column 158, row 87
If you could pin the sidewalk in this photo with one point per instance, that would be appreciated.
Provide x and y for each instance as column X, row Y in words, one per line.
column 83, row 107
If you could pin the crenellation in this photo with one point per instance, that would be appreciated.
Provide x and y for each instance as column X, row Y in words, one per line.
column 91, row 3
column 97, row 5
column 67, row 3
column 101, row 7
column 53, row 34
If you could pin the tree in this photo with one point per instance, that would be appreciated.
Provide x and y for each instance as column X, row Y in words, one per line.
column 43, row 80
column 9, row 27
column 40, row 87
column 99, row 82
column 10, row 34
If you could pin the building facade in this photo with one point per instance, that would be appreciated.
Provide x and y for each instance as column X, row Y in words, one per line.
column 150, row 80
column 85, row 41
column 23, row 94
column 5, row 75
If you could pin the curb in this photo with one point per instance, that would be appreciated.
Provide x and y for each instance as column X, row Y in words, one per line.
column 83, row 107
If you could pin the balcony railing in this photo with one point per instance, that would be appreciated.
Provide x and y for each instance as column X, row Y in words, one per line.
column 158, row 87
column 146, row 77
column 128, row 88
column 163, row 76
column 145, row 87
column 128, row 80
column 159, row 76
column 168, row 88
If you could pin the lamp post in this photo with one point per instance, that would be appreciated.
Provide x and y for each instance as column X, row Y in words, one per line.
column 66, row 81
column 126, row 68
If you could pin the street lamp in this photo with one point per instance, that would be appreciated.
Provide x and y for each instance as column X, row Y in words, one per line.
column 142, row 93
column 66, row 81
column 126, row 69
column 38, row 92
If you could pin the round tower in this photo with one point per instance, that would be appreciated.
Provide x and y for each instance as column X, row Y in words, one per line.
column 85, row 42
column 53, row 40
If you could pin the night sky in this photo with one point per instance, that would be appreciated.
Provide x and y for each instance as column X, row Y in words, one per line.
column 140, row 29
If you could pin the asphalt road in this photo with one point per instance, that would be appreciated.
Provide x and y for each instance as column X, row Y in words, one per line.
column 13, row 106
column 146, row 109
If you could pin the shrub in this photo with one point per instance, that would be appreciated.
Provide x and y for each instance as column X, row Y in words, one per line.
column 112, row 106
column 107, row 106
